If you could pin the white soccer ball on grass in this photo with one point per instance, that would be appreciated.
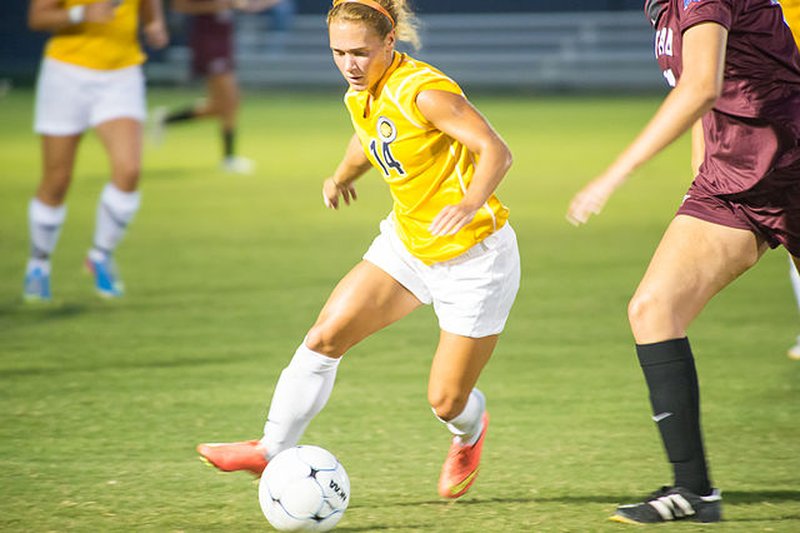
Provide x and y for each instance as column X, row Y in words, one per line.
column 304, row 488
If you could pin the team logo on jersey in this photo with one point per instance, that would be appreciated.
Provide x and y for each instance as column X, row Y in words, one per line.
column 387, row 133
column 386, row 130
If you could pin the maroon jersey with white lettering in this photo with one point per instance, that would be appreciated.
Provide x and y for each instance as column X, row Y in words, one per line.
column 754, row 127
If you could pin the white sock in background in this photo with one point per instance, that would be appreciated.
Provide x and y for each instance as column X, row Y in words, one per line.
column 302, row 391
column 45, row 224
column 795, row 277
column 115, row 210
column 467, row 426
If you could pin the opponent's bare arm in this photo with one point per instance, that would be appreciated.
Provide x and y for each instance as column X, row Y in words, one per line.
column 52, row 16
column 698, row 88
column 453, row 114
column 353, row 165
column 153, row 25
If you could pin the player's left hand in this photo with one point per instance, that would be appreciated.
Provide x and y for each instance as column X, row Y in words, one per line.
column 451, row 219
column 155, row 34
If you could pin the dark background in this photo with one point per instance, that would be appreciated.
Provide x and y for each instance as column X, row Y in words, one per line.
column 20, row 49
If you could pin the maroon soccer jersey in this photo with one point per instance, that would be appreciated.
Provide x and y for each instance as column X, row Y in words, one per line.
column 211, row 41
column 754, row 128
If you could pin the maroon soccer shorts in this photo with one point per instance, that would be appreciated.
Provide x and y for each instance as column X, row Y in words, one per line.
column 212, row 49
column 770, row 210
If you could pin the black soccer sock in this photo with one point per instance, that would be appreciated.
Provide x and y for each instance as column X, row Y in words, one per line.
column 669, row 369
column 181, row 115
column 228, row 141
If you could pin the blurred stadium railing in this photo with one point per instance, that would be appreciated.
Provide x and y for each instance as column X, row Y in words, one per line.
column 608, row 51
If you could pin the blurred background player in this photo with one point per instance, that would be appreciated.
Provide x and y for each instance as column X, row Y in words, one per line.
column 791, row 13
column 446, row 242
column 211, row 39
column 735, row 73
column 90, row 77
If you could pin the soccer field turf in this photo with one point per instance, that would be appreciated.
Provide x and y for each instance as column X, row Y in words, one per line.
column 102, row 403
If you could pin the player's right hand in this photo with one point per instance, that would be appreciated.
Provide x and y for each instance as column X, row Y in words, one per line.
column 100, row 12
column 331, row 190
column 592, row 198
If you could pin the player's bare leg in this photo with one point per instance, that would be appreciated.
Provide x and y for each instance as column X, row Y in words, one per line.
column 119, row 201
column 46, row 212
column 224, row 99
column 694, row 261
column 366, row 300
column 456, row 367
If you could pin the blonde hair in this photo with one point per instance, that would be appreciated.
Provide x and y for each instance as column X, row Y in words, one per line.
column 405, row 22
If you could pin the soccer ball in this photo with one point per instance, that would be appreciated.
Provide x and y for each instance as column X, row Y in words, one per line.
column 304, row 488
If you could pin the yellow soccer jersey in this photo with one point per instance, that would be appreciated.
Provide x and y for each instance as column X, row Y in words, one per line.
column 426, row 169
column 108, row 46
column 791, row 12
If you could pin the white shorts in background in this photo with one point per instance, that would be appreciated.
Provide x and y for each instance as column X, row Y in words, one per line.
column 472, row 294
column 71, row 99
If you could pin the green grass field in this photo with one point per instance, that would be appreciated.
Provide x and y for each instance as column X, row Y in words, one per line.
column 102, row 403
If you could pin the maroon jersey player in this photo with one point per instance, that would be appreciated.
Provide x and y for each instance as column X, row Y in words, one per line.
column 211, row 40
column 735, row 72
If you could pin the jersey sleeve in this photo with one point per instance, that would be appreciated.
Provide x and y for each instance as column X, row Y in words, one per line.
column 695, row 12
column 438, row 83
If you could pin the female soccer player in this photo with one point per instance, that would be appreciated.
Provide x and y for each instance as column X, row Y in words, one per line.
column 735, row 69
column 90, row 77
column 446, row 242
column 211, row 41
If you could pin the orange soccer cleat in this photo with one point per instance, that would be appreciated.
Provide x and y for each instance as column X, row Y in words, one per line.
column 234, row 456
column 461, row 466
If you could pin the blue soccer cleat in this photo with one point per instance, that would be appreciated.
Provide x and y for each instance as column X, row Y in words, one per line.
column 106, row 278
column 37, row 282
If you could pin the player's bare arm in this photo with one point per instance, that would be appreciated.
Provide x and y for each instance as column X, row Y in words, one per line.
column 153, row 25
column 52, row 16
column 453, row 114
column 699, row 87
column 354, row 164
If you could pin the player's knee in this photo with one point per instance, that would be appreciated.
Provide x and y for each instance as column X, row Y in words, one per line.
column 324, row 339
column 447, row 405
column 649, row 316
column 126, row 175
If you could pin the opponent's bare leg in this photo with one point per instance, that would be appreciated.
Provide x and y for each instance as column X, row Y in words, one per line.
column 694, row 261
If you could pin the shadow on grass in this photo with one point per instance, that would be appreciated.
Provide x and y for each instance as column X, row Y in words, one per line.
column 730, row 498
column 42, row 311
column 416, row 527
column 118, row 365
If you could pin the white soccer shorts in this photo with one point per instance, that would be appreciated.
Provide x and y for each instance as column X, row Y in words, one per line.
column 472, row 294
column 71, row 99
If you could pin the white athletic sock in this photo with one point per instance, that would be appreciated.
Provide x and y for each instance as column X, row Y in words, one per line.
column 302, row 391
column 795, row 277
column 467, row 426
column 45, row 224
column 115, row 210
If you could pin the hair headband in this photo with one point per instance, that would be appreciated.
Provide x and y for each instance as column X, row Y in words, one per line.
column 369, row 3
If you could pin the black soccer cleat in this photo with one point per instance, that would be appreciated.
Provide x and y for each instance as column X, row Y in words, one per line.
column 672, row 503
